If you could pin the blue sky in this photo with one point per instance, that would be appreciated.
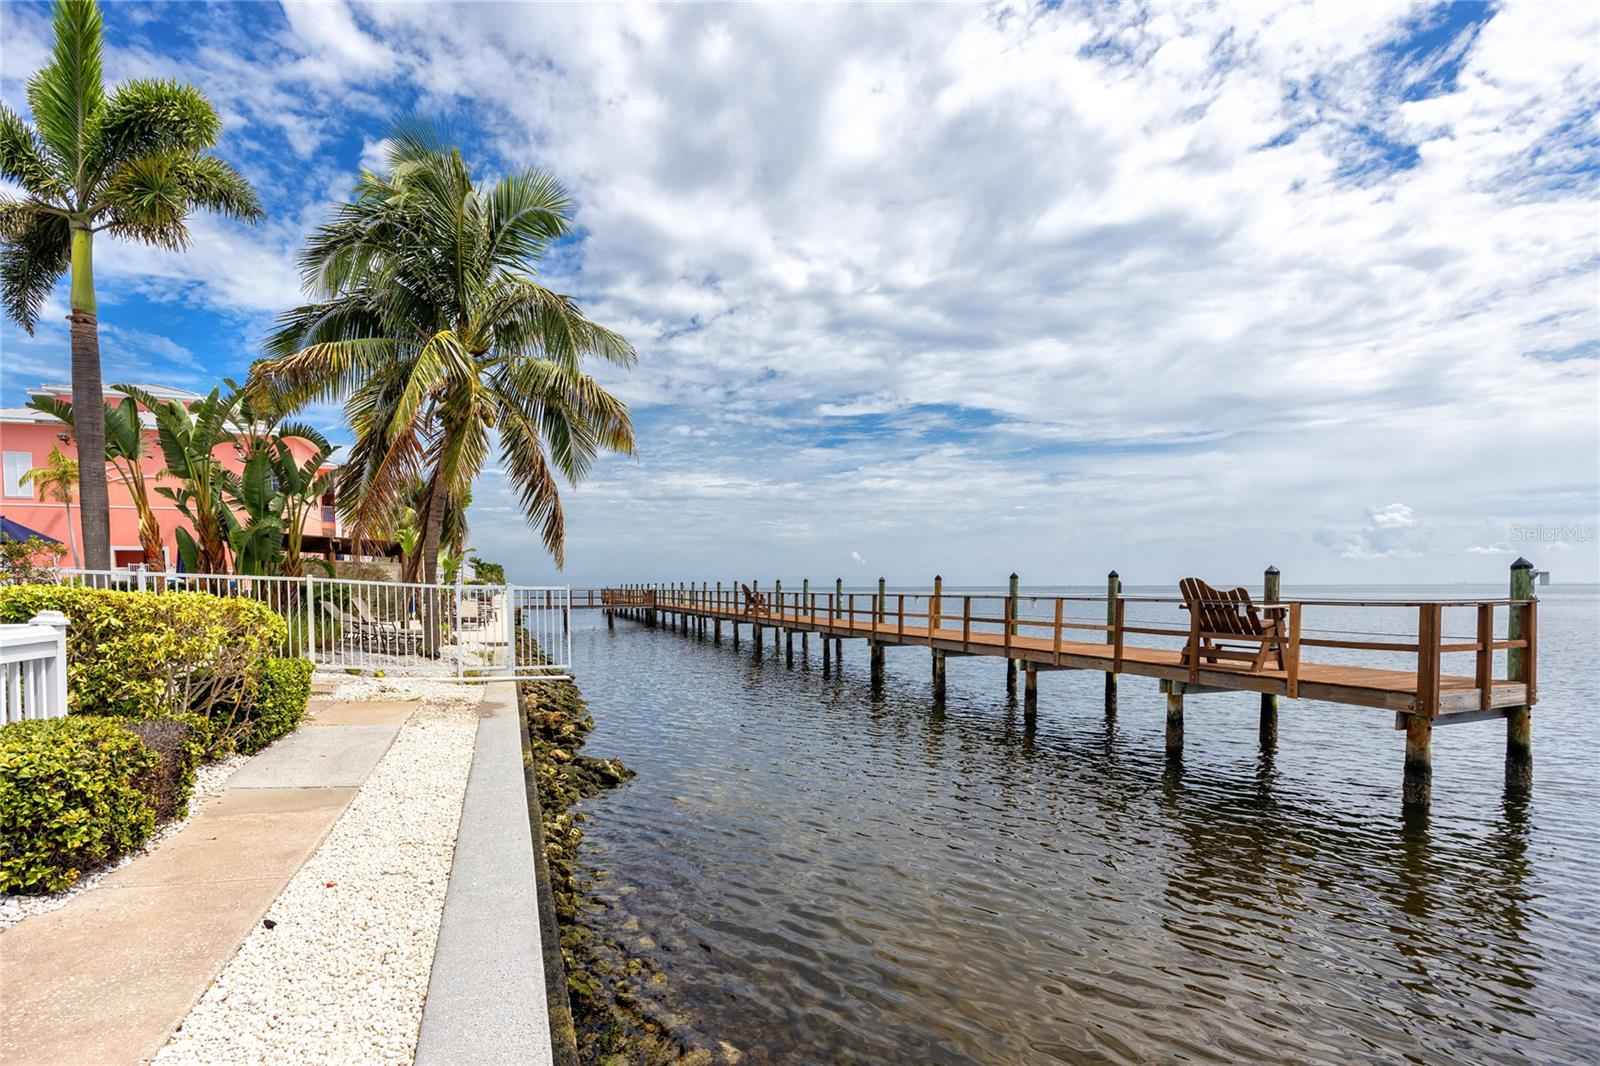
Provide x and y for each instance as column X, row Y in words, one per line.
column 970, row 289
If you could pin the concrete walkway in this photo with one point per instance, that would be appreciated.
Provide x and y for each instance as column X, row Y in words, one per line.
column 486, row 997
column 108, row 977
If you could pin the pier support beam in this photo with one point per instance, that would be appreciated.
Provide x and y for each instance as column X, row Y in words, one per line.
column 716, row 631
column 1269, row 702
column 877, row 666
column 1519, row 720
column 826, row 656
column 938, row 676
column 788, row 648
column 1030, row 691
column 611, row 620
column 1113, row 591
column 1416, row 790
column 735, row 626
column 1174, row 724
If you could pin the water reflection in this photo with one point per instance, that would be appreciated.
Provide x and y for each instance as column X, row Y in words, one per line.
column 832, row 875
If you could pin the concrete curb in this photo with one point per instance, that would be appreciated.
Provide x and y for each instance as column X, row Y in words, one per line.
column 486, row 994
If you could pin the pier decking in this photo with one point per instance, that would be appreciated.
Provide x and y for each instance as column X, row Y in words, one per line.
column 1498, row 685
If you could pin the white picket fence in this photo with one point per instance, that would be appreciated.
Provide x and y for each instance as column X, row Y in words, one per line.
column 33, row 668
column 461, row 632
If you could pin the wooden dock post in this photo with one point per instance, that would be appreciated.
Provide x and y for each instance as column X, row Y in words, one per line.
column 1030, row 691
column 1519, row 720
column 1174, row 724
column 1011, row 631
column 933, row 627
column 755, row 628
column 876, row 647
column 780, row 629
column 938, row 675
column 1113, row 591
column 838, row 602
column 1269, row 701
column 811, row 614
column 716, row 625
column 1416, row 791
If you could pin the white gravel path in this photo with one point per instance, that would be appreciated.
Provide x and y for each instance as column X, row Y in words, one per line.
column 342, row 975
column 209, row 780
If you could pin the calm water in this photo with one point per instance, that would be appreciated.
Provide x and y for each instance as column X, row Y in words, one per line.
column 829, row 877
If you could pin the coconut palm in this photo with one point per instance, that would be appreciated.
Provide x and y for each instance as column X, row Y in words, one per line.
column 428, row 322
column 133, row 163
column 125, row 451
column 55, row 480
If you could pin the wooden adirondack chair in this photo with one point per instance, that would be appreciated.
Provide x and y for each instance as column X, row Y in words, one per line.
column 1231, row 614
column 754, row 602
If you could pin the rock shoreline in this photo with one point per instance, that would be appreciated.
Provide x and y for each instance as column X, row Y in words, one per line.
column 614, row 993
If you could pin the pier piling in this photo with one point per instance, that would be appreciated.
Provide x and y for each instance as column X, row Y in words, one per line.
column 1113, row 591
column 938, row 676
column 1174, row 724
column 1011, row 631
column 1416, row 791
column 1268, row 732
column 1030, row 691
column 1519, row 719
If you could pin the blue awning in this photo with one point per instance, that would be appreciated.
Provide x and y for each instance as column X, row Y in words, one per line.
column 11, row 529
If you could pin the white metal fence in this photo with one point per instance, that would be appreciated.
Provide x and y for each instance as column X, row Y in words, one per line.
column 33, row 668
column 464, row 632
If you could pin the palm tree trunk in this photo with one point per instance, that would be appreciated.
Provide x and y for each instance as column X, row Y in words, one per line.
column 72, row 537
column 88, row 400
column 432, row 531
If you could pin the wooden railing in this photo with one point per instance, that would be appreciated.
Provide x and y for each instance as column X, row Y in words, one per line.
column 886, row 613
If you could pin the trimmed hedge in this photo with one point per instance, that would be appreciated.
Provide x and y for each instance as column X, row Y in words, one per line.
column 72, row 795
column 279, row 704
column 155, row 654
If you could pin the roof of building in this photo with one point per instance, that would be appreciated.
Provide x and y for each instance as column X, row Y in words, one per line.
column 160, row 392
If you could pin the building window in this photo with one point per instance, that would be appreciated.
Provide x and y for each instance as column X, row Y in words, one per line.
column 17, row 464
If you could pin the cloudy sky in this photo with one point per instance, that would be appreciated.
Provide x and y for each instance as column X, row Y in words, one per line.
column 968, row 289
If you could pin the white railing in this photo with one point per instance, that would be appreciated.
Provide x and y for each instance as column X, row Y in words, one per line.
column 33, row 668
column 465, row 632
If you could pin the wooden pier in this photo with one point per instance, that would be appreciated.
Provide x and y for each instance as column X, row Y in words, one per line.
column 1421, row 697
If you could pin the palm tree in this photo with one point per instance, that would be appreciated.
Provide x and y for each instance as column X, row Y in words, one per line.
column 55, row 480
column 125, row 452
column 428, row 323
column 189, row 437
column 133, row 163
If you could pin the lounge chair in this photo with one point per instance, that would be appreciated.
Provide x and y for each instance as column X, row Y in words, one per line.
column 1223, row 625
column 387, row 633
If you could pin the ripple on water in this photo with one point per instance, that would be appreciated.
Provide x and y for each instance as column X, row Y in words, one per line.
column 831, row 878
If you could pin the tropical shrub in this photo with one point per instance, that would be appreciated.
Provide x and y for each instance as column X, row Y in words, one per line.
column 71, row 796
column 155, row 654
column 278, row 706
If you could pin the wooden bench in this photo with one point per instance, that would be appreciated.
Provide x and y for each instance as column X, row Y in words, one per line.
column 1228, row 625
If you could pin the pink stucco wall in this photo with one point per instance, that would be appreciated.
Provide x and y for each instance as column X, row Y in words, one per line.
column 50, row 518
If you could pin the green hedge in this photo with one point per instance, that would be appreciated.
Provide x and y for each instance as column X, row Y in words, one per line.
column 155, row 654
column 279, row 704
column 72, row 795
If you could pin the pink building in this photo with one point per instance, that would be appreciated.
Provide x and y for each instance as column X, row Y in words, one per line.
column 28, row 436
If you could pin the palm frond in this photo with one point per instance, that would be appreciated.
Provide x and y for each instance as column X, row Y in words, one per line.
column 37, row 252
column 67, row 95
column 24, row 158
column 151, row 116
